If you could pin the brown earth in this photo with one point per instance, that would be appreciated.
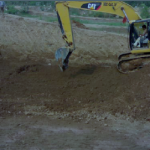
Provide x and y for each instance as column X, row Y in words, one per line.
column 90, row 106
column 79, row 25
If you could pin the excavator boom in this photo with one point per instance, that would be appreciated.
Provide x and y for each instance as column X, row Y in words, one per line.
column 114, row 7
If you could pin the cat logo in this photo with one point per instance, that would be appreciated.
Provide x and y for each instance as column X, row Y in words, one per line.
column 92, row 6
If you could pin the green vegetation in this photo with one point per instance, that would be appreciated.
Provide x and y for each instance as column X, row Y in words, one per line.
column 52, row 3
column 107, row 30
column 138, row 3
column 96, row 14
column 24, row 11
column 47, row 19
column 98, row 23
column 75, row 12
column 145, row 13
column 11, row 10
column 143, row 5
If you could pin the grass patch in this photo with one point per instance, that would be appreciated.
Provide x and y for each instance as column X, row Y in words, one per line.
column 44, row 18
column 99, row 23
column 54, row 19
column 28, row 15
column 118, row 31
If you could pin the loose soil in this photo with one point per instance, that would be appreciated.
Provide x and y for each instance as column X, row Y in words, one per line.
column 89, row 106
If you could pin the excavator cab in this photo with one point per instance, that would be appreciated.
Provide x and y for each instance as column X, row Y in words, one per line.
column 137, row 40
column 140, row 52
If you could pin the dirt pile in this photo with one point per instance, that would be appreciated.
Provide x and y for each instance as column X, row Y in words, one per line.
column 28, row 38
column 90, row 86
column 79, row 25
column 90, row 103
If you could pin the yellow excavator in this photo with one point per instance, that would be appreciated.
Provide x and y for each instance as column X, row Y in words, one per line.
column 119, row 8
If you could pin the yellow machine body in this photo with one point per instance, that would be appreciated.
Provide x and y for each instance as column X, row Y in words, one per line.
column 119, row 8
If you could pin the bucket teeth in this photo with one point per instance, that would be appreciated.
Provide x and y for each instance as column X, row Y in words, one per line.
column 60, row 56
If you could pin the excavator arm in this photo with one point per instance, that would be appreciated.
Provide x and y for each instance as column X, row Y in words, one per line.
column 62, row 8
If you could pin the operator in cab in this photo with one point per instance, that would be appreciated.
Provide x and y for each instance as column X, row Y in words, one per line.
column 143, row 37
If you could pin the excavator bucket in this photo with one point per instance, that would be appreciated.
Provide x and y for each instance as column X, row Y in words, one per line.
column 61, row 55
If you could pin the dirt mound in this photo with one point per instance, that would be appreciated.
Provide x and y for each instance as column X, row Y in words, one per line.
column 88, row 86
column 79, row 25
column 39, row 102
column 23, row 38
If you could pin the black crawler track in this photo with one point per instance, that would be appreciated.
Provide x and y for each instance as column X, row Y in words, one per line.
column 128, row 58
